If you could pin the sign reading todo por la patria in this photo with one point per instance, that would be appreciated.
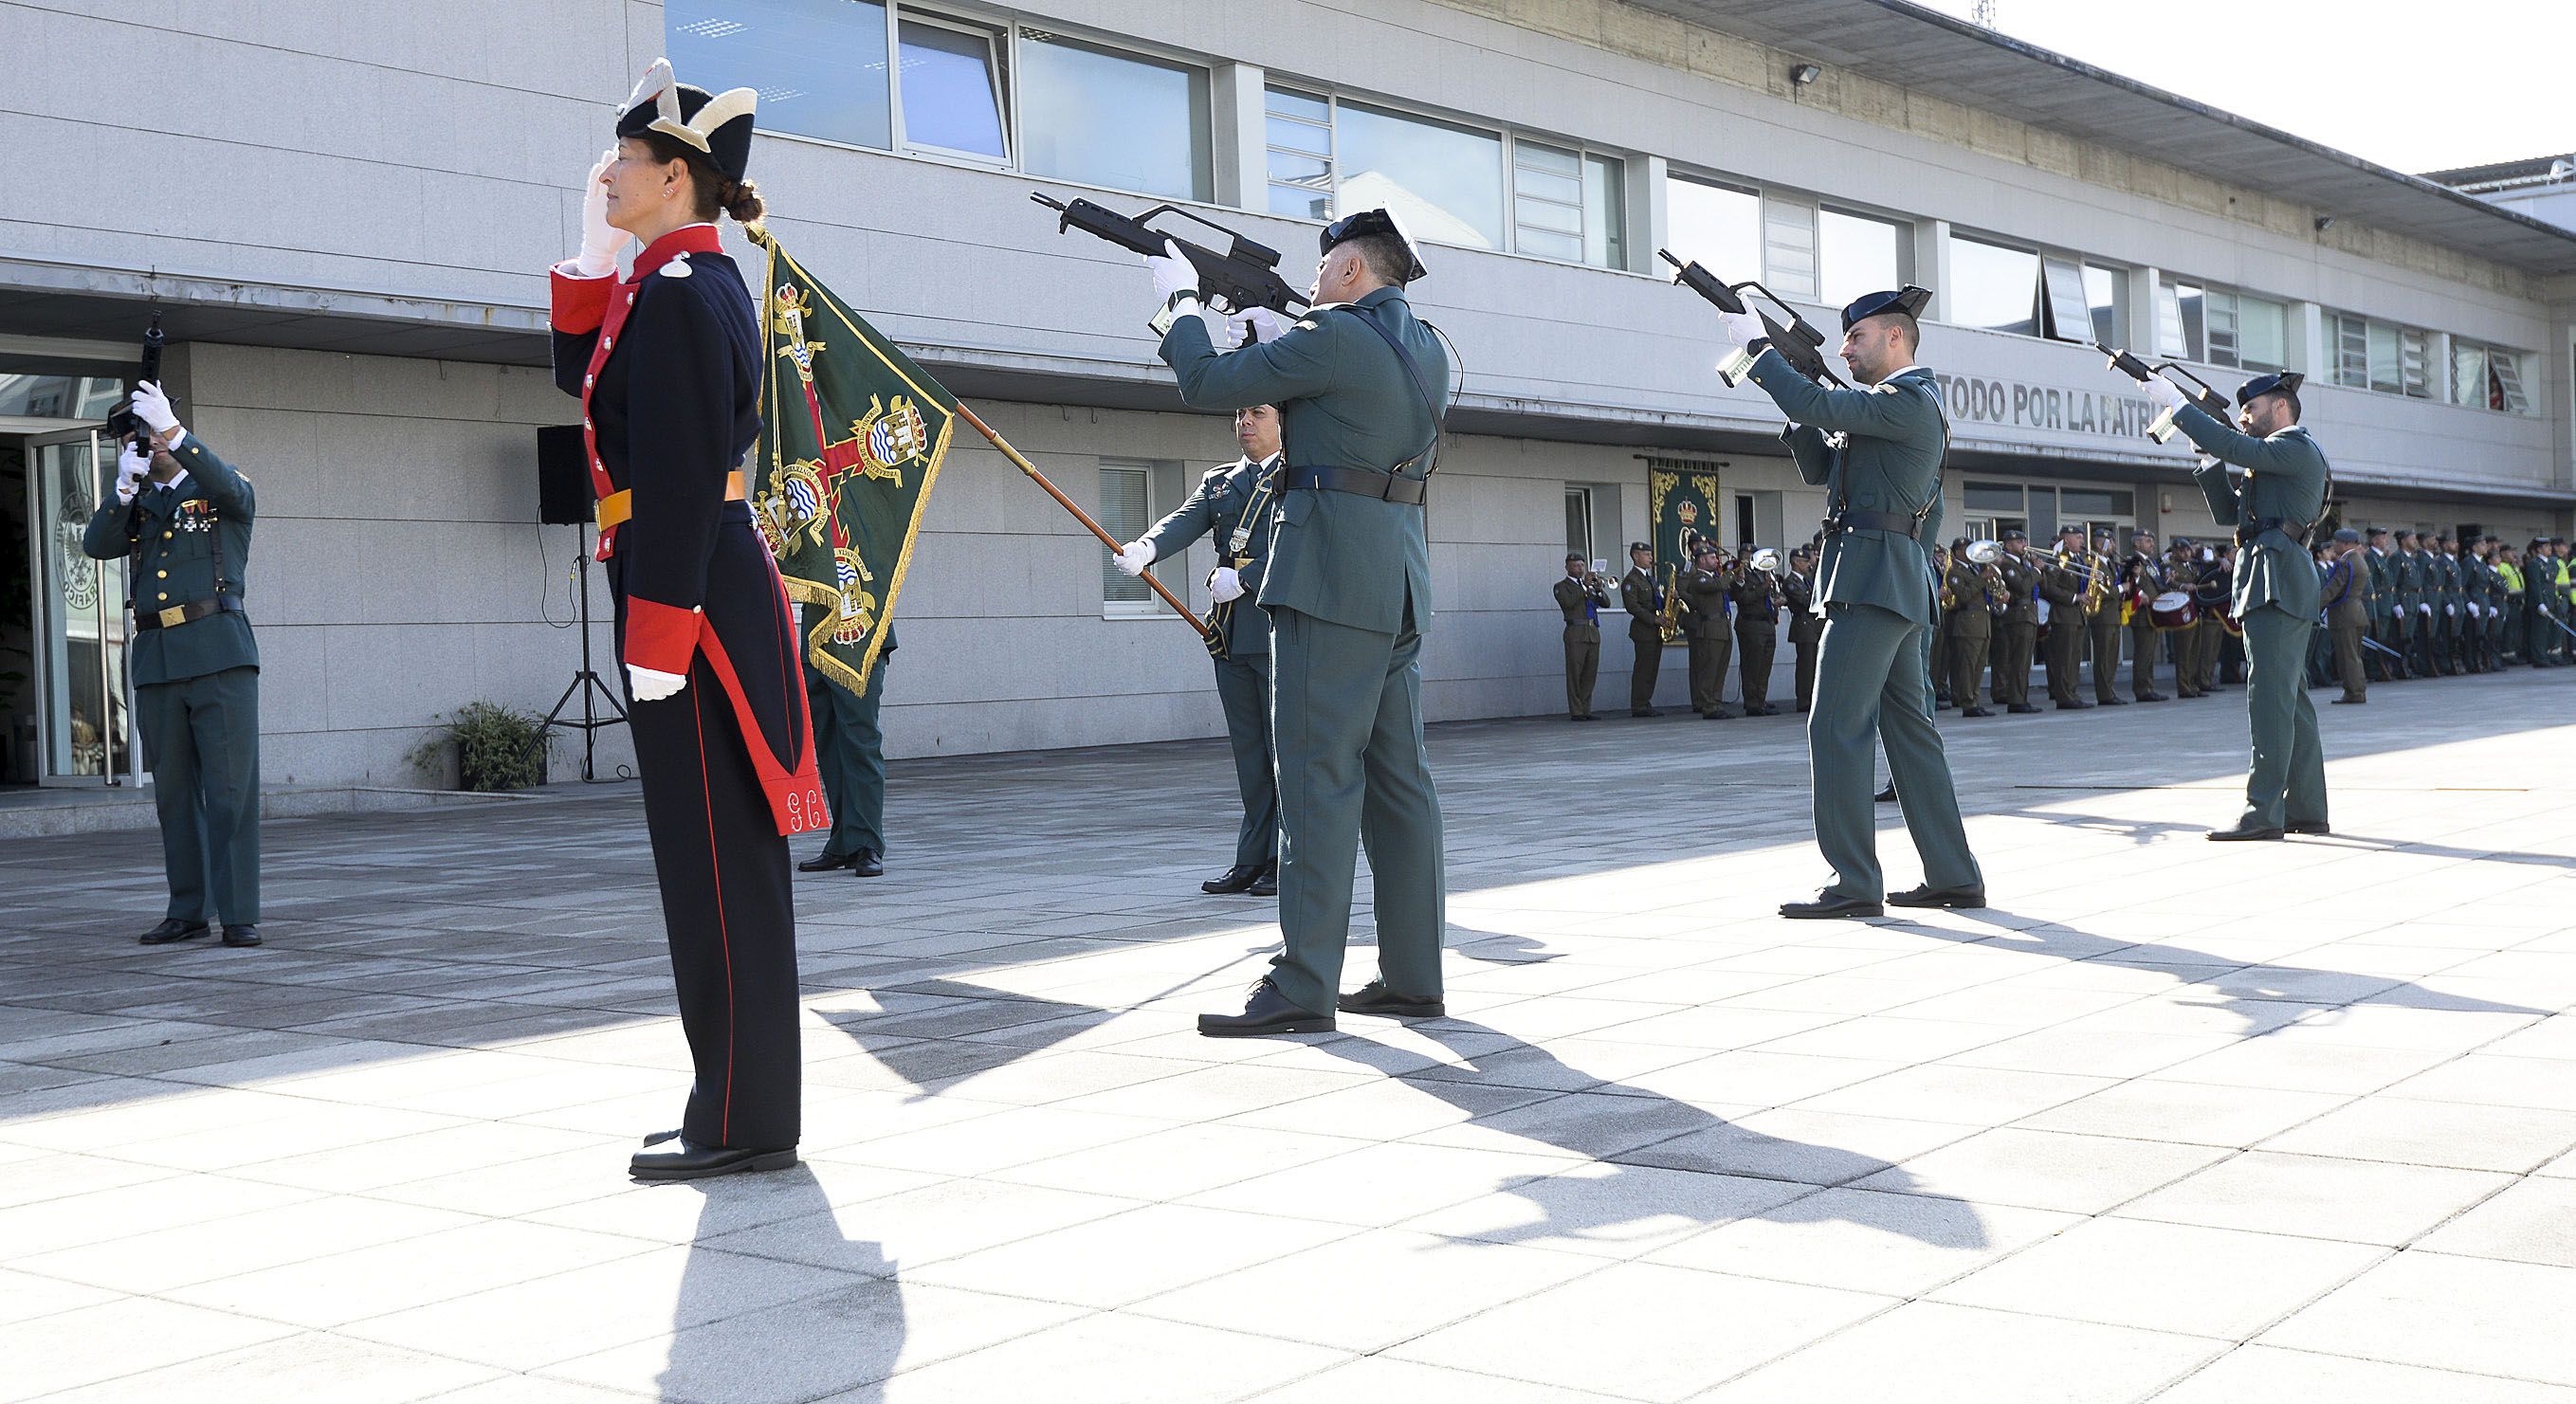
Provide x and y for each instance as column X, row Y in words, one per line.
column 2020, row 404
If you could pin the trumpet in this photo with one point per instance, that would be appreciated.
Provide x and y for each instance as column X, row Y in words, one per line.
column 1766, row 560
column 1984, row 553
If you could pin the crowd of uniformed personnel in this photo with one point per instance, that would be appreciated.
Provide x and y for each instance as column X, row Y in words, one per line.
column 2396, row 605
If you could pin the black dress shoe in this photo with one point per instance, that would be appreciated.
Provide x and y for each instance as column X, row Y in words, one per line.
column 1266, row 1012
column 241, row 934
column 173, row 929
column 1958, row 898
column 2075, row 706
column 1236, row 879
column 2244, row 833
column 1887, row 793
column 2021, row 709
column 1976, row 712
column 1585, row 717
column 823, row 862
column 1375, row 998
column 1827, row 905
column 1266, row 885
column 2153, row 697
column 682, row 1159
column 2316, row 826
column 659, row 1137
column 1765, row 710
column 2350, row 701
column 2111, row 702
column 864, row 864
column 1643, row 712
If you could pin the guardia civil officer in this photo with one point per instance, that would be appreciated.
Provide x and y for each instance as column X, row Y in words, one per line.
column 1232, row 502
column 1361, row 386
column 2272, row 506
column 1883, row 494
column 184, row 517
column 667, row 364
column 849, row 751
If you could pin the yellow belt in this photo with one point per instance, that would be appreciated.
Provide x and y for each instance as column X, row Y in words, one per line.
column 615, row 508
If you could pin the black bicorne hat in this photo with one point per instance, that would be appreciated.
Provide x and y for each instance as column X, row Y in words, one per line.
column 1367, row 222
column 717, row 125
column 2286, row 383
column 1909, row 300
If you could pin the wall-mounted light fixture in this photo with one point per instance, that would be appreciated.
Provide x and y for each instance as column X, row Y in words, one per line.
column 1805, row 73
column 2324, row 223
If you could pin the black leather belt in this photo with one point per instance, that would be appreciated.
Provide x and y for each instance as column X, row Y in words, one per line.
column 188, row 613
column 1386, row 487
column 1849, row 519
column 2295, row 530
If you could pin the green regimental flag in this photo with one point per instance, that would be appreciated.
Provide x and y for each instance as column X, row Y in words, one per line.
column 1683, row 504
column 852, row 434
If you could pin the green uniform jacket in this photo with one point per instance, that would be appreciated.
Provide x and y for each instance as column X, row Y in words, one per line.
column 1343, row 402
column 178, row 540
column 2446, row 569
column 1703, row 611
column 1581, row 604
column 2285, row 476
column 2021, row 589
column 1971, row 613
column 2345, row 593
column 1888, row 460
column 1217, row 505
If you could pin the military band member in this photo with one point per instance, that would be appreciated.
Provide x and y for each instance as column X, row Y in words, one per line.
column 2017, row 634
column 667, row 364
column 1704, row 629
column 1806, row 625
column 1361, row 386
column 1883, row 488
column 1232, row 503
column 2102, row 624
column 1643, row 597
column 1940, row 635
column 2272, row 508
column 849, row 752
column 1970, row 602
column 183, row 516
column 1580, row 597
column 1756, row 594
column 2142, row 579
column 2346, row 597
column 2063, row 580
column 2382, row 667
column 2212, row 587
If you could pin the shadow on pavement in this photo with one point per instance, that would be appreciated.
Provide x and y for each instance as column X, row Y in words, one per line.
column 850, row 1339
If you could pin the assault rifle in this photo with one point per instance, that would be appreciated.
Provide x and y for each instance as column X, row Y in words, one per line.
column 1798, row 343
column 1242, row 278
column 123, row 422
column 2139, row 371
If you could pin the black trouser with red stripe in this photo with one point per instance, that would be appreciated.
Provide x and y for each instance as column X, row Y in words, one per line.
column 727, row 889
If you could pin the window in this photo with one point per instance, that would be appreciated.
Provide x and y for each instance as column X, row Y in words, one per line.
column 2066, row 310
column 1716, row 225
column 1992, row 497
column 2182, row 321
column 952, row 89
column 1444, row 181
column 2262, row 333
column 2381, row 356
column 1301, row 154
column 1993, row 287
column 2105, row 291
column 2381, row 339
column 2488, row 377
column 820, row 67
column 1578, row 521
column 2352, row 351
column 1126, row 509
column 1858, row 254
column 1102, row 117
column 1568, row 205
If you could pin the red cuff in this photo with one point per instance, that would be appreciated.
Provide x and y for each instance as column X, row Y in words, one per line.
column 580, row 304
column 661, row 637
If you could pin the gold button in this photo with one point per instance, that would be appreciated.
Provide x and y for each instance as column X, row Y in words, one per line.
column 165, row 536
column 162, row 574
column 162, row 596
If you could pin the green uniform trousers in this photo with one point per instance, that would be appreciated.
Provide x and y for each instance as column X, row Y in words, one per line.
column 1708, row 657
column 2065, row 655
column 1647, row 640
column 2288, row 779
column 2105, row 629
column 1243, row 686
column 2347, row 661
column 1967, row 660
column 201, row 741
column 849, row 750
column 2011, row 650
column 1582, row 669
column 1757, row 645
column 1873, row 685
column 2145, row 642
column 1346, row 713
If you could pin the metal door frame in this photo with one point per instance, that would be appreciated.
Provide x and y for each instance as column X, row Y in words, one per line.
column 40, row 540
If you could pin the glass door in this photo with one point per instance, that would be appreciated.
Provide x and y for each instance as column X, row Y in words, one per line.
column 85, row 707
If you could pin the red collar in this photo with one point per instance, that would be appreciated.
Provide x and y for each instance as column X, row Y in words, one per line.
column 688, row 239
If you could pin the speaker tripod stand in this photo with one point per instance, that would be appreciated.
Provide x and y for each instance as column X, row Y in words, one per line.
column 587, row 683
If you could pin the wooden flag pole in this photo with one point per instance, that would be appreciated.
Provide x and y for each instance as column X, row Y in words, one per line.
column 1068, row 504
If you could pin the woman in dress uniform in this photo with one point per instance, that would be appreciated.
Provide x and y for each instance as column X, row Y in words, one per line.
column 667, row 363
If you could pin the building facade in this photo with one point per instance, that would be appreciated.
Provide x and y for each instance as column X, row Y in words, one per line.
column 348, row 245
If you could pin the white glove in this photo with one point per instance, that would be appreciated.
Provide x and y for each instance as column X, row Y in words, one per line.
column 2424, row 607
column 652, row 684
column 1172, row 272
column 130, row 468
column 1740, row 328
column 600, row 240
column 2163, row 393
column 1133, row 557
column 1224, row 333
column 1262, row 324
column 1224, row 584
column 153, row 407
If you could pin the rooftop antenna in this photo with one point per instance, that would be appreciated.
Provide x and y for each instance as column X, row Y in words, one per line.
column 1985, row 13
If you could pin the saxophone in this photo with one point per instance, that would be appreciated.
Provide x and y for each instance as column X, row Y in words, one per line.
column 1671, row 620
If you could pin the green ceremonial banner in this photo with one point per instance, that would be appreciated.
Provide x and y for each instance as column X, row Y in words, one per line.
column 852, row 434
column 1683, row 504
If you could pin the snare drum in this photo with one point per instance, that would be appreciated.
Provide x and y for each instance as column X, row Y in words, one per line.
column 2173, row 610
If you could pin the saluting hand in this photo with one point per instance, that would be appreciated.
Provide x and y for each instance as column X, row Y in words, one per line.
column 652, row 684
column 600, row 240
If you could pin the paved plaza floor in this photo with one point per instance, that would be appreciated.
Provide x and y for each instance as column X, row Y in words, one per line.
column 2171, row 1120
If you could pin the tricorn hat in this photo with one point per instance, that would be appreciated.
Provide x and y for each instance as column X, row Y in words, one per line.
column 1909, row 300
column 2285, row 383
column 716, row 125
column 1377, row 221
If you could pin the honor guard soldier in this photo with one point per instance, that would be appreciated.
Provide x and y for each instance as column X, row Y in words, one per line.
column 1580, row 597
column 2417, row 596
column 2491, row 573
column 2272, row 508
column 2017, row 634
column 2509, row 582
column 2103, row 622
column 1968, row 607
column 1233, row 502
column 1756, row 594
column 2063, row 580
column 183, row 517
column 2442, row 587
column 1643, row 597
column 2537, row 573
column 1882, row 476
column 668, row 363
column 1361, row 387
column 849, row 752
column 1806, row 622
column 1704, row 592
column 2142, row 579
column 2382, row 604
column 2345, row 594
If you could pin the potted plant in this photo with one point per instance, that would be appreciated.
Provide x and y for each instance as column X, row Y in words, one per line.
column 496, row 748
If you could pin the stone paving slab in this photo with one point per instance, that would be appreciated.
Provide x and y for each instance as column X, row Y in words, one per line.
column 2169, row 1121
